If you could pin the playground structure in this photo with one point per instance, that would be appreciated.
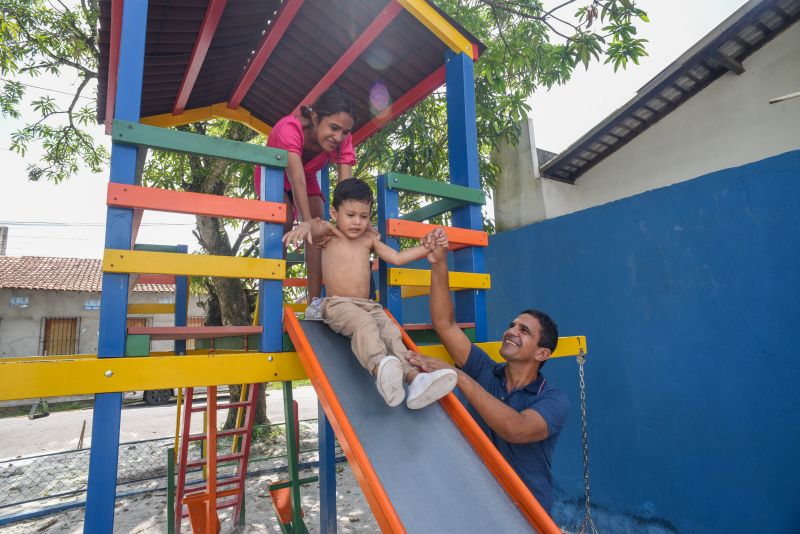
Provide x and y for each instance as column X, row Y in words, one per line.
column 137, row 112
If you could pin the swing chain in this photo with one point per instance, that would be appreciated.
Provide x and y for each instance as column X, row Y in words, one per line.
column 587, row 518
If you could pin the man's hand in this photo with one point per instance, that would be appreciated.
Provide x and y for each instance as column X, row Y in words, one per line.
column 314, row 232
column 433, row 240
column 426, row 363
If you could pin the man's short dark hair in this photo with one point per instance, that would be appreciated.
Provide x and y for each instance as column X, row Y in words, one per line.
column 549, row 335
column 352, row 189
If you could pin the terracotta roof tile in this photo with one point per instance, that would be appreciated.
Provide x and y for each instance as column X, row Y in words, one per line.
column 60, row 274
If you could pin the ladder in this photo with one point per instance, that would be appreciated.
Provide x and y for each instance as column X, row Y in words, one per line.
column 223, row 482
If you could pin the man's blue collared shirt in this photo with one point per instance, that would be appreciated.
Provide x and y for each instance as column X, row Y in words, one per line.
column 531, row 461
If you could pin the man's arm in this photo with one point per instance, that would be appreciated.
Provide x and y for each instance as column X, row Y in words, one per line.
column 442, row 316
column 527, row 426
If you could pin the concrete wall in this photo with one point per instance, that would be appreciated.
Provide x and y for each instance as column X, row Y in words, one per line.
column 21, row 329
column 688, row 296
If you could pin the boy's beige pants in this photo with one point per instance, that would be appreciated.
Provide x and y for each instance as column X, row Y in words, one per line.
column 373, row 334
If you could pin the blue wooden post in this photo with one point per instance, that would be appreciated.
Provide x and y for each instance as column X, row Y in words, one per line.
column 181, row 302
column 388, row 208
column 327, row 439
column 271, row 291
column 102, row 486
column 462, row 140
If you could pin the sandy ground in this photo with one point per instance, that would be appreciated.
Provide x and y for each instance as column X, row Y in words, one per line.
column 147, row 513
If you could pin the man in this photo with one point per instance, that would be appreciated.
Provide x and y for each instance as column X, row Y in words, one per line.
column 512, row 402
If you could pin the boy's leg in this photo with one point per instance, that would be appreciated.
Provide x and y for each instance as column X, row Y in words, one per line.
column 391, row 336
column 347, row 318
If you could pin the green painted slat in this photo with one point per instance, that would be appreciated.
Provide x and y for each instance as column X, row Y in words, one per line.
column 403, row 182
column 429, row 337
column 295, row 257
column 133, row 133
column 155, row 248
column 137, row 345
column 432, row 210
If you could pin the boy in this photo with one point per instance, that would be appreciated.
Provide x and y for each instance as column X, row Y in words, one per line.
column 376, row 340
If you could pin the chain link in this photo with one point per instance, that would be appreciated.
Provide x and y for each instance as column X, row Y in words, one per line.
column 587, row 518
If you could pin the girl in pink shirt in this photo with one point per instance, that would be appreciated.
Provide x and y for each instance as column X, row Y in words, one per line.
column 321, row 134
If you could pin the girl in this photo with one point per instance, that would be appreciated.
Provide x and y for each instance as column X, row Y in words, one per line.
column 319, row 135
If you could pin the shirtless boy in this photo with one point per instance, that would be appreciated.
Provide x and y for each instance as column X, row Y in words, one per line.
column 376, row 339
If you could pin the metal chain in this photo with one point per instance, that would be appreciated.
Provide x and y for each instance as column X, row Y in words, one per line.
column 587, row 518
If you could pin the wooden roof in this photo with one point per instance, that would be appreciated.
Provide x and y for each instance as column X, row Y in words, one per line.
column 258, row 60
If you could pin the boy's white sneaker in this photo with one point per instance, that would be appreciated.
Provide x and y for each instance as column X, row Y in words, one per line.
column 313, row 311
column 389, row 380
column 427, row 388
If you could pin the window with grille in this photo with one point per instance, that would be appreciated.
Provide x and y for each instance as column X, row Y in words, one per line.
column 60, row 336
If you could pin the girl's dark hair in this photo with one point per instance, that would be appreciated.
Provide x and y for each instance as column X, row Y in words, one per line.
column 330, row 102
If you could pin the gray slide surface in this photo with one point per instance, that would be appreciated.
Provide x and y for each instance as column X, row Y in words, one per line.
column 432, row 475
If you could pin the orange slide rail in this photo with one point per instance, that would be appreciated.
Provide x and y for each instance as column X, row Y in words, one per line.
column 376, row 496
column 500, row 468
column 150, row 198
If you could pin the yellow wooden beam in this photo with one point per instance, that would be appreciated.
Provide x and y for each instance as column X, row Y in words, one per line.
column 422, row 278
column 439, row 25
column 216, row 111
column 43, row 376
column 39, row 377
column 138, row 261
column 568, row 346
column 166, row 120
column 150, row 308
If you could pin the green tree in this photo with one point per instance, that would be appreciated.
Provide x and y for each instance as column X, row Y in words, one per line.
column 528, row 46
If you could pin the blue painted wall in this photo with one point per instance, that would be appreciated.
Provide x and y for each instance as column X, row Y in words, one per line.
column 689, row 298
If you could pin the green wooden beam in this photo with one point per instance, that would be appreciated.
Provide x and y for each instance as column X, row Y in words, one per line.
column 432, row 210
column 137, row 345
column 413, row 184
column 133, row 133
column 429, row 337
column 155, row 248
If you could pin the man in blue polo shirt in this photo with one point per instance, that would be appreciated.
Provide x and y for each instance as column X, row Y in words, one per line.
column 517, row 408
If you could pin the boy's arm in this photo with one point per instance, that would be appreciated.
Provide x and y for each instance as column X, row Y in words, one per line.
column 398, row 257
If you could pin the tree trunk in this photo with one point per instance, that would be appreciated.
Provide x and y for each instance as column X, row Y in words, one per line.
column 233, row 306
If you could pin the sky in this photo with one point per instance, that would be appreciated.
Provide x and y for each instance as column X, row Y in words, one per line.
column 68, row 219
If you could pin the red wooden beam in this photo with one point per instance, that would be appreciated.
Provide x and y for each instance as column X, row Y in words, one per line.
column 279, row 25
column 113, row 63
column 193, row 332
column 384, row 18
column 401, row 105
column 201, row 45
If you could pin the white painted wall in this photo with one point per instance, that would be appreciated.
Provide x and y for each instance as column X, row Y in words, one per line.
column 21, row 328
column 728, row 124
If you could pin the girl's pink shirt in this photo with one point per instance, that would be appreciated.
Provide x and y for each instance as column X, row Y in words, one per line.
column 287, row 134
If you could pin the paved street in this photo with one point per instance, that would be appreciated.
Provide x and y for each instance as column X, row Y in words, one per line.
column 61, row 430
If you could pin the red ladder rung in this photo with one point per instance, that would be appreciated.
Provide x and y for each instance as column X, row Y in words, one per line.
column 220, row 459
column 220, row 434
column 220, row 483
column 222, row 406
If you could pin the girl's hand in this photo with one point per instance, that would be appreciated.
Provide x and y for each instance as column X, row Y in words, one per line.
column 314, row 232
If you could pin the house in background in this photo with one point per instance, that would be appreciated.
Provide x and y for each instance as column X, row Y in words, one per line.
column 669, row 235
column 709, row 110
column 51, row 306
